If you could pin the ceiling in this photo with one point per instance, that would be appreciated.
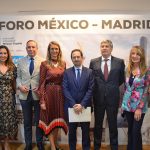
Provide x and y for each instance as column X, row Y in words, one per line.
column 71, row 6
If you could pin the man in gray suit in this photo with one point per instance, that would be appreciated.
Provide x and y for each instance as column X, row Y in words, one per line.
column 27, row 82
column 109, row 75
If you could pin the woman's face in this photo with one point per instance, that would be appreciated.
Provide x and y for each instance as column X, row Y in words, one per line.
column 54, row 52
column 3, row 55
column 135, row 56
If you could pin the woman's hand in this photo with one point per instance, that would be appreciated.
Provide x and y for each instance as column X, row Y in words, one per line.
column 137, row 114
column 43, row 106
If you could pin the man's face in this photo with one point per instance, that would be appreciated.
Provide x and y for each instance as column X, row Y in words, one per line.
column 106, row 49
column 77, row 59
column 31, row 48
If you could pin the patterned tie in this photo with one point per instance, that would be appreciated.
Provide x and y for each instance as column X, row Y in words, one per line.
column 78, row 76
column 31, row 67
column 105, row 70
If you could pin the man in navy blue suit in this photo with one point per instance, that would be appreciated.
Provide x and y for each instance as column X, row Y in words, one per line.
column 78, row 85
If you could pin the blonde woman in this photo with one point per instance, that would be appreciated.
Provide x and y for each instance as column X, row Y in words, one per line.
column 135, row 102
column 51, row 96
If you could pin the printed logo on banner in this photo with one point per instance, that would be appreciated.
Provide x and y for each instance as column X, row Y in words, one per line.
column 16, row 58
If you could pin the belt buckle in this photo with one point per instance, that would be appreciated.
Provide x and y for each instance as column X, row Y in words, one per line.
column 52, row 83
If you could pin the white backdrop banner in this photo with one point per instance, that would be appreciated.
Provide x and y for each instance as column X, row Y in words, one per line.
column 79, row 31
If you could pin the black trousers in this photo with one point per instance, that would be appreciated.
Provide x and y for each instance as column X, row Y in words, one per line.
column 27, row 108
column 85, row 127
column 111, row 112
column 134, row 131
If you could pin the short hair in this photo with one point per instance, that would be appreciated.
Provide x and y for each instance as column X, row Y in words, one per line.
column 107, row 41
column 32, row 41
column 77, row 50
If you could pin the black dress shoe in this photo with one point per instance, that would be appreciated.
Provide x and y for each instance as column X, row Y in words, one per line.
column 40, row 146
column 28, row 147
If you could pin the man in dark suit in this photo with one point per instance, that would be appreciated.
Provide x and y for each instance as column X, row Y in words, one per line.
column 109, row 75
column 78, row 84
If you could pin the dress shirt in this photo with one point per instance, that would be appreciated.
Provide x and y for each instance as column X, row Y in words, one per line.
column 76, row 70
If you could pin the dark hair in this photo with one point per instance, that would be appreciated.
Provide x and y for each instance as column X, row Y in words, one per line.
column 9, row 61
column 77, row 50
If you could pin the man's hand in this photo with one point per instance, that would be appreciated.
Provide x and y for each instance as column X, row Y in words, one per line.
column 78, row 108
column 23, row 89
column 35, row 89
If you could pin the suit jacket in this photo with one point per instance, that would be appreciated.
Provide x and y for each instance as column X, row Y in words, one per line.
column 24, row 77
column 78, row 93
column 107, row 92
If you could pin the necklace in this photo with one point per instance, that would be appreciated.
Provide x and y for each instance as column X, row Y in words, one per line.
column 55, row 64
column 136, row 72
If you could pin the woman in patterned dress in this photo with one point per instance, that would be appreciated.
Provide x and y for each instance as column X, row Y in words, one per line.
column 51, row 95
column 135, row 99
column 8, row 121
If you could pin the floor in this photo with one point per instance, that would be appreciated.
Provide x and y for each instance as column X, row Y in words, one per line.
column 16, row 146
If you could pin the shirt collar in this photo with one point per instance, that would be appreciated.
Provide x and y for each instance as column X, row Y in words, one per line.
column 109, row 58
column 78, row 68
column 30, row 57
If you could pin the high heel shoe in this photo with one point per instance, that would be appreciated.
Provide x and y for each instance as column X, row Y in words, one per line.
column 58, row 148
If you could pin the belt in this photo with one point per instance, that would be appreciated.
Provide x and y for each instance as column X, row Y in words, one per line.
column 52, row 83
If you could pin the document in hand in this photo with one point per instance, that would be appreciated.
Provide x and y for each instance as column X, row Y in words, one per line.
column 85, row 116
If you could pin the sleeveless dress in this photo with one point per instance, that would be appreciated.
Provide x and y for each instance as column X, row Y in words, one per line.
column 8, row 117
column 50, row 92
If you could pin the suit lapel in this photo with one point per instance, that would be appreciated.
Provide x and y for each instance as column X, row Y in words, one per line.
column 83, row 76
column 26, row 64
column 99, row 66
column 35, row 66
column 73, row 74
column 112, row 66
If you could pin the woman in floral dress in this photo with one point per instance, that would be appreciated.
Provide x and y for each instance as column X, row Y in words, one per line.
column 51, row 96
column 135, row 99
column 8, row 121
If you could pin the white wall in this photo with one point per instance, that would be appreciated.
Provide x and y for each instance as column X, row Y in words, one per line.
column 76, row 6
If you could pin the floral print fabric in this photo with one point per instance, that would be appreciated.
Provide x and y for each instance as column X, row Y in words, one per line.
column 136, row 95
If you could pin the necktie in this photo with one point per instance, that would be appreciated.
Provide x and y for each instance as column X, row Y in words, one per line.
column 106, row 70
column 31, row 67
column 78, row 75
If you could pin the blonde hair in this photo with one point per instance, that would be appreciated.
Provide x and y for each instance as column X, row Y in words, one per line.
column 9, row 63
column 48, row 57
column 142, row 64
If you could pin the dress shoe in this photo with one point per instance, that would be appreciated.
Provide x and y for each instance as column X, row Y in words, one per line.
column 40, row 146
column 28, row 147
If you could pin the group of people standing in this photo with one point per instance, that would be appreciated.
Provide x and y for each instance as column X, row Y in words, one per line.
column 50, row 89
